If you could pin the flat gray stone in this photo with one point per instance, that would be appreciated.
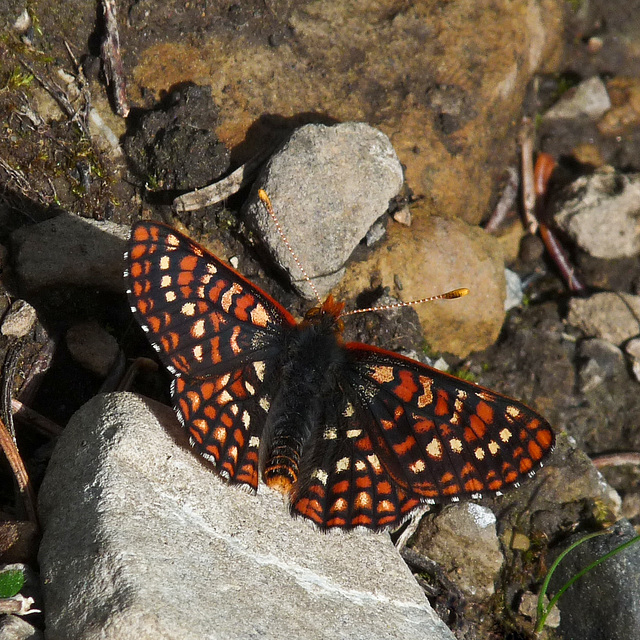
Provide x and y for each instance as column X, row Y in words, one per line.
column 69, row 250
column 142, row 540
column 589, row 99
column 328, row 185
column 600, row 213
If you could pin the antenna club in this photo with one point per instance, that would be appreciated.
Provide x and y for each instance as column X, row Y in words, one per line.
column 456, row 293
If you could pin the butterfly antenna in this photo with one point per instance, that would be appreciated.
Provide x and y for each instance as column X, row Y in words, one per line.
column 449, row 295
column 262, row 194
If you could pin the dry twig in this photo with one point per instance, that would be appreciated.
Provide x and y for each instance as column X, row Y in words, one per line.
column 219, row 191
column 112, row 60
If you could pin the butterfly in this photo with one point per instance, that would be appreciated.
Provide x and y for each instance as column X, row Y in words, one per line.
column 354, row 435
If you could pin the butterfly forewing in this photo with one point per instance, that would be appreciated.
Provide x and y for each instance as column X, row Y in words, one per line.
column 201, row 315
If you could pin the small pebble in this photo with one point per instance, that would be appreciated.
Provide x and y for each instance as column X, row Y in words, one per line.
column 19, row 320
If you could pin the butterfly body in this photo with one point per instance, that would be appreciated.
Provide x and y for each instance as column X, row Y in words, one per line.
column 354, row 435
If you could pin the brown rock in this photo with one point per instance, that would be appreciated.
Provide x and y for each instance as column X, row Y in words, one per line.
column 432, row 256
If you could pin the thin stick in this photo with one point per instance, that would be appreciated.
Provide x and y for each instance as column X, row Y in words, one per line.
column 42, row 424
column 19, row 471
column 449, row 295
column 616, row 459
column 112, row 60
column 528, row 188
column 545, row 165
column 221, row 190
column 262, row 194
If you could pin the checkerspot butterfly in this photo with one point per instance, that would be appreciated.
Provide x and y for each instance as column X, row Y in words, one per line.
column 355, row 435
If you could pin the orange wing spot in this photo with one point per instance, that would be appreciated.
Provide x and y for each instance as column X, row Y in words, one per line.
column 217, row 320
column 185, row 409
column 451, row 490
column 407, row 387
column 239, row 437
column 362, row 521
column 188, row 263
column 228, row 467
column 535, row 451
column 185, row 278
column 180, row 385
column 241, row 306
column 545, row 438
column 154, row 323
column 517, row 453
column 340, row 487
column 175, row 339
column 196, row 435
column 215, row 291
column 210, row 412
column 385, row 520
column 141, row 234
column 137, row 289
column 214, row 451
column 510, row 477
column 470, row 434
column 384, row 488
column 388, row 424
column 215, row 350
column 424, row 426
column 478, row 426
column 310, row 508
column 526, row 465
column 404, row 447
column 318, row 490
column 467, row 470
column 364, row 444
column 485, row 412
column 363, row 483
column 207, row 389
column 447, row 477
column 442, row 404
column 226, row 420
column 137, row 251
column 474, row 485
column 409, row 504
column 186, row 292
column 496, row 485
column 334, row 522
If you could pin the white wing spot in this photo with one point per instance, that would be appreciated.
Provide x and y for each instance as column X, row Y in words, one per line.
column 170, row 296
column 330, row 433
column 165, row 281
column 165, row 263
column 321, row 475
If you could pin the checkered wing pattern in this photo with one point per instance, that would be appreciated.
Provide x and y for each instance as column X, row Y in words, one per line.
column 411, row 435
column 216, row 332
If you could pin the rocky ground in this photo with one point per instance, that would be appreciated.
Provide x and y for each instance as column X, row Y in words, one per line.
column 210, row 86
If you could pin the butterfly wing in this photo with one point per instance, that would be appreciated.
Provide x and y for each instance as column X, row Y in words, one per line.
column 216, row 332
column 410, row 434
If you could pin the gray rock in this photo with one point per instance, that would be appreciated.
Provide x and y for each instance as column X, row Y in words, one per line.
column 614, row 317
column 514, row 290
column 590, row 98
column 463, row 539
column 598, row 360
column 605, row 602
column 16, row 628
column 92, row 347
column 600, row 213
column 141, row 540
column 69, row 250
column 328, row 185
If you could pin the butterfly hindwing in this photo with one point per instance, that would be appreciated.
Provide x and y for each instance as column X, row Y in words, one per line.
column 441, row 437
column 225, row 417
column 201, row 315
column 343, row 482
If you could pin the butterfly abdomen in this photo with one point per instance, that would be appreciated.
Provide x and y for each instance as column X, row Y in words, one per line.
column 313, row 358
